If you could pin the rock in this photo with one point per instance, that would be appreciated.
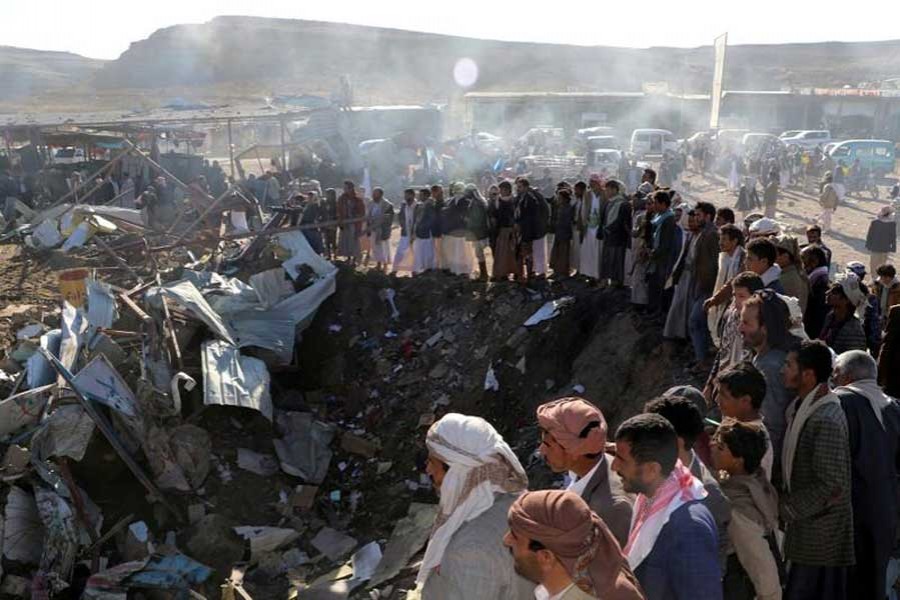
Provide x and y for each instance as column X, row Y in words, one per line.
column 439, row 371
column 430, row 342
column 516, row 339
column 213, row 542
column 358, row 445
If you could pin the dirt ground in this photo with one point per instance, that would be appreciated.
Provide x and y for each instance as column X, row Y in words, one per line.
column 797, row 210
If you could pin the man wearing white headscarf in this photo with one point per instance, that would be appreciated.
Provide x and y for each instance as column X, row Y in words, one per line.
column 873, row 423
column 478, row 477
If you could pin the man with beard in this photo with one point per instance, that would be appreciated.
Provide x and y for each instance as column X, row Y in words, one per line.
column 477, row 476
column 765, row 329
column 557, row 542
column 816, row 499
column 573, row 438
column 673, row 544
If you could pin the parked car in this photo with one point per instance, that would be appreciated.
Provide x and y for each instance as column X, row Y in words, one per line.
column 68, row 156
column 877, row 156
column 605, row 161
column 829, row 147
column 730, row 139
column 652, row 142
column 789, row 133
column 752, row 141
column 809, row 139
column 598, row 130
column 601, row 142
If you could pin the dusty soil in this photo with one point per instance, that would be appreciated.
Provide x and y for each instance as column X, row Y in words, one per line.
column 797, row 210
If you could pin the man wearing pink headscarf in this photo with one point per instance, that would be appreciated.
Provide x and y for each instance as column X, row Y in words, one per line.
column 573, row 436
column 557, row 542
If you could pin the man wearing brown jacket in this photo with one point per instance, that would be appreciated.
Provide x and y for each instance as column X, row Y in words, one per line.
column 706, row 268
column 573, row 439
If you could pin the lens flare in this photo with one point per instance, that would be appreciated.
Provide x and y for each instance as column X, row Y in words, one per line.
column 465, row 72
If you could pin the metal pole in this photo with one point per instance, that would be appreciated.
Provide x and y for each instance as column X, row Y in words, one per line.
column 231, row 152
column 109, row 433
column 283, row 151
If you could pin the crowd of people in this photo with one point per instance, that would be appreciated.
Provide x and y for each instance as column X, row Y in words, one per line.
column 777, row 479
column 677, row 505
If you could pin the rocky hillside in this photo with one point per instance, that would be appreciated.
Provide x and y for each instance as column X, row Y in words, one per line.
column 313, row 55
column 25, row 73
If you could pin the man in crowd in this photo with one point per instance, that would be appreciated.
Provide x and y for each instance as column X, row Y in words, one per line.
column 828, row 200
column 533, row 220
column 881, row 239
column 557, row 542
column 403, row 256
column 673, row 544
column 765, row 327
column 731, row 343
column 478, row 227
column 590, row 227
column 380, row 218
column 662, row 251
column 573, row 438
column 685, row 417
column 815, row 264
column 814, row 238
column 705, row 271
column 425, row 227
column 456, row 253
column 873, row 423
column 724, row 216
column 793, row 278
column 741, row 392
column 816, row 501
column 436, row 193
column 616, row 234
column 730, row 265
column 465, row 556
column 754, row 566
column 886, row 289
column 762, row 259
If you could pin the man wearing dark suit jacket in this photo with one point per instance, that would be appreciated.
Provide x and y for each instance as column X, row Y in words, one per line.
column 573, row 438
column 662, row 251
column 705, row 269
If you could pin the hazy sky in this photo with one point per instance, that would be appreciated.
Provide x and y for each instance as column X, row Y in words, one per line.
column 103, row 28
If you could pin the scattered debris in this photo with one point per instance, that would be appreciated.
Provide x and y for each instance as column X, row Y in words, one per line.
column 548, row 311
column 333, row 543
column 264, row 465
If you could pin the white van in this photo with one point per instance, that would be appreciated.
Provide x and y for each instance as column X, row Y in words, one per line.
column 650, row 142
column 809, row 139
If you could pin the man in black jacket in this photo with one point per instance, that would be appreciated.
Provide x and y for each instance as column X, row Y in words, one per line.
column 881, row 240
column 478, row 228
column 616, row 234
column 533, row 216
column 662, row 253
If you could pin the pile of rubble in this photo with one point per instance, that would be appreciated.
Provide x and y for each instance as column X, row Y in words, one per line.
column 247, row 420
